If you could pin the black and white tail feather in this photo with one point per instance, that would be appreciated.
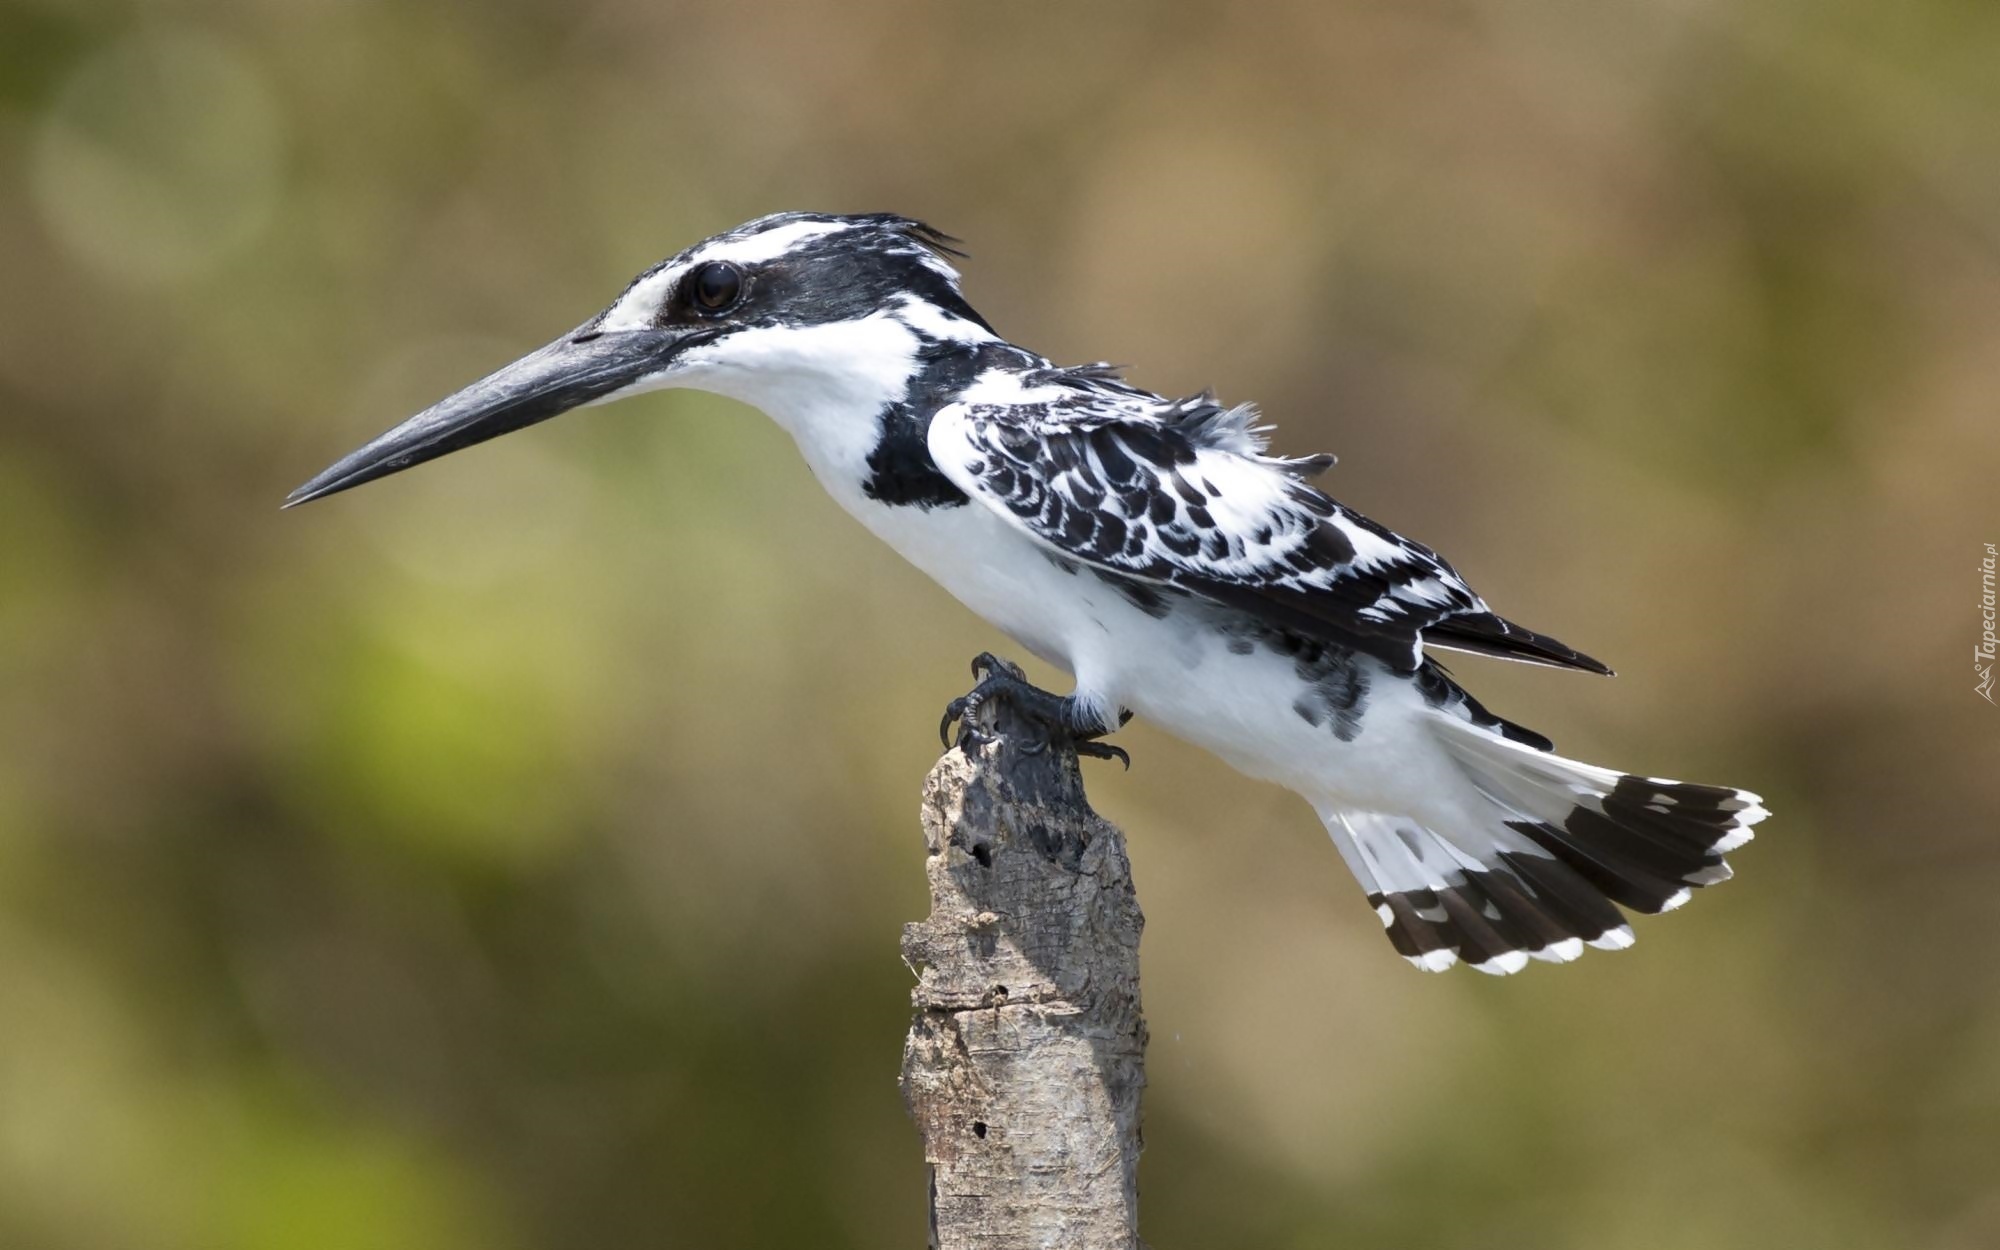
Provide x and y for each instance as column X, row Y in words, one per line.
column 1567, row 846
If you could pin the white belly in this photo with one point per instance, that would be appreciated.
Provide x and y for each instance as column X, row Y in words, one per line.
column 997, row 573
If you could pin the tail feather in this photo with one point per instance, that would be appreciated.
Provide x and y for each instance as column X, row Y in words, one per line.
column 1584, row 911
column 1568, row 845
column 1440, row 904
column 1626, row 879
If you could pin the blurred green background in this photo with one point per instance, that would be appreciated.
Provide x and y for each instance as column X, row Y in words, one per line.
column 512, row 855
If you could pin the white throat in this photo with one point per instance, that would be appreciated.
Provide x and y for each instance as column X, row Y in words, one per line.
column 826, row 385
column 804, row 376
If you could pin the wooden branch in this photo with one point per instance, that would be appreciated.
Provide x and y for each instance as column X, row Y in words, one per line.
column 1026, row 1055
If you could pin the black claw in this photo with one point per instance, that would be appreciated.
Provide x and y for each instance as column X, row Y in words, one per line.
column 959, row 712
column 1103, row 751
column 986, row 666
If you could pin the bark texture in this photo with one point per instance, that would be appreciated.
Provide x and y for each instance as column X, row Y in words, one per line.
column 1026, row 1055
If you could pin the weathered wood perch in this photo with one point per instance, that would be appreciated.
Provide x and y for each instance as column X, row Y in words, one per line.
column 1026, row 1055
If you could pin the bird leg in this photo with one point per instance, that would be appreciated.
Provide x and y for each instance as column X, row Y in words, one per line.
column 1063, row 718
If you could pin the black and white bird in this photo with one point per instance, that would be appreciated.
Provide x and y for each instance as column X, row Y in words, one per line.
column 1153, row 548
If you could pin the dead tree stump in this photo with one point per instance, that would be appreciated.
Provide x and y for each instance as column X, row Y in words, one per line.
column 1026, row 1055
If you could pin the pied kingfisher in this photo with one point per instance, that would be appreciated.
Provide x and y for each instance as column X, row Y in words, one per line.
column 1154, row 549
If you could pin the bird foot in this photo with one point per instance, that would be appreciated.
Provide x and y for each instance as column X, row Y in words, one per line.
column 1058, row 718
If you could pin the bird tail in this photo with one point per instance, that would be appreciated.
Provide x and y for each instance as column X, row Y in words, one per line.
column 1567, row 846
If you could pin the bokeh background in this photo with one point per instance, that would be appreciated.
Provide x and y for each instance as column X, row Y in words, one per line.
column 512, row 855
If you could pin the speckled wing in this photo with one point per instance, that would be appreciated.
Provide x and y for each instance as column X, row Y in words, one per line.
column 1180, row 494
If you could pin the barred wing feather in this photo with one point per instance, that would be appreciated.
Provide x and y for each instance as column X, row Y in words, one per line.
column 1182, row 494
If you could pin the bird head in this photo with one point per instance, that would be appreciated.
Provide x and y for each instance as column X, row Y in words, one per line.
column 800, row 314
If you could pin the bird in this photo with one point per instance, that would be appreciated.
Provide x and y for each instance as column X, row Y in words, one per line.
column 1156, row 550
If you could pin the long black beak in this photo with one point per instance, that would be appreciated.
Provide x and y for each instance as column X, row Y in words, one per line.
column 577, row 369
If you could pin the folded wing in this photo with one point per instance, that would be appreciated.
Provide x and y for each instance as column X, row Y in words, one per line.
column 1182, row 494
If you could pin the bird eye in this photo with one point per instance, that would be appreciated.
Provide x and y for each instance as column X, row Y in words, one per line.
column 716, row 286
